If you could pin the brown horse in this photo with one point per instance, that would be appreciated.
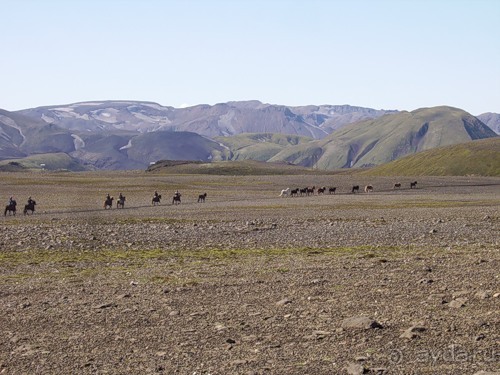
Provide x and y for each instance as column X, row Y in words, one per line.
column 201, row 198
column 120, row 203
column 321, row 190
column 176, row 199
column 355, row 189
column 413, row 184
column 156, row 200
column 10, row 208
column 397, row 185
column 332, row 190
column 29, row 207
column 108, row 203
column 368, row 188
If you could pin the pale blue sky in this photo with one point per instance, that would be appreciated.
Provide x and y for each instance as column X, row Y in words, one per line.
column 402, row 54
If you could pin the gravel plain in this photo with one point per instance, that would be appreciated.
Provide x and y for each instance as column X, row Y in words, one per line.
column 397, row 281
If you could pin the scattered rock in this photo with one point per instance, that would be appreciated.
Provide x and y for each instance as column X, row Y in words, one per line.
column 458, row 303
column 360, row 322
column 105, row 305
column 412, row 332
column 483, row 295
column 356, row 369
column 284, row 301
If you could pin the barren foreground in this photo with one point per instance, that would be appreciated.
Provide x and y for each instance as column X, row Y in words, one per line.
column 389, row 282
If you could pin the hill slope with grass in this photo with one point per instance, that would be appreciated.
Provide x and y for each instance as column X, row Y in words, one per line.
column 480, row 158
column 379, row 141
column 259, row 146
column 51, row 162
column 231, row 168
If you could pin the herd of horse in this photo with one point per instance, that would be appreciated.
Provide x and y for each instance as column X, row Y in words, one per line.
column 307, row 191
column 11, row 208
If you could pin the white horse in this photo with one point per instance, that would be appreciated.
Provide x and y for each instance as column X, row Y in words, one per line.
column 285, row 192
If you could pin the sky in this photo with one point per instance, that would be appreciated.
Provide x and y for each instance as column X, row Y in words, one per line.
column 392, row 54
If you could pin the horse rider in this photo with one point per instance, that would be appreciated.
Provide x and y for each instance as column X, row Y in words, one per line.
column 177, row 194
column 30, row 201
column 156, row 194
column 121, row 197
column 108, row 197
column 12, row 201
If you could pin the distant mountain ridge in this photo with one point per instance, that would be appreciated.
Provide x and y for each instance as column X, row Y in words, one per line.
column 492, row 120
column 223, row 119
column 133, row 134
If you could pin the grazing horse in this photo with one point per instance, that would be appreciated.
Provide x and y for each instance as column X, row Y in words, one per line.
column 285, row 192
column 355, row 189
column 397, row 185
column 294, row 192
column 11, row 208
column 332, row 190
column 29, row 207
column 120, row 203
column 156, row 200
column 368, row 188
column 321, row 190
column 108, row 203
column 413, row 184
column 201, row 198
column 176, row 199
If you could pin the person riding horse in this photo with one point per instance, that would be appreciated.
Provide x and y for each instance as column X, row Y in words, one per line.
column 176, row 198
column 11, row 207
column 121, row 201
column 108, row 202
column 30, row 206
column 156, row 198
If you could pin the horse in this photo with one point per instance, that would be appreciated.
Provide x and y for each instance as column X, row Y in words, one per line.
column 397, row 185
column 120, row 203
column 285, row 192
column 321, row 190
column 311, row 190
column 355, row 189
column 176, row 199
column 294, row 192
column 368, row 188
column 29, row 207
column 108, row 203
column 332, row 190
column 156, row 200
column 303, row 191
column 413, row 184
column 11, row 208
column 201, row 198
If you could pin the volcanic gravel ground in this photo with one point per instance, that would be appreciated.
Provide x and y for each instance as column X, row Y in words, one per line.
column 390, row 282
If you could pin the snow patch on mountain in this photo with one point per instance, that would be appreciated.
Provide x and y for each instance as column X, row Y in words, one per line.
column 79, row 143
column 128, row 145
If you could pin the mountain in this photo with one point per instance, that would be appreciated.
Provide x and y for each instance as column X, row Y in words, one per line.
column 133, row 134
column 375, row 142
column 492, row 120
column 22, row 136
column 223, row 119
column 259, row 146
column 101, row 148
column 479, row 157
